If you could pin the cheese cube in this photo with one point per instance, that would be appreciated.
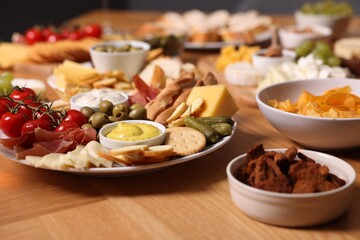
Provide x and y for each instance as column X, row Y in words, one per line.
column 217, row 100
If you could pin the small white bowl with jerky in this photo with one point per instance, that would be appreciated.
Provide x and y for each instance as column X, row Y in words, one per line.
column 290, row 187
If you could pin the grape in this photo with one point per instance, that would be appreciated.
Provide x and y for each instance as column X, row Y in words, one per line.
column 333, row 61
column 319, row 54
column 301, row 52
column 323, row 47
column 5, row 86
column 308, row 46
column 7, row 76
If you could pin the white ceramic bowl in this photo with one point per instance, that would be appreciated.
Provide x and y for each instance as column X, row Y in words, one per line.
column 128, row 62
column 338, row 23
column 294, row 210
column 92, row 98
column 263, row 63
column 312, row 132
column 110, row 143
column 290, row 39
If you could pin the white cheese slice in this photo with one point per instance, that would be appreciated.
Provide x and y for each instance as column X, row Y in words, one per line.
column 54, row 161
column 79, row 160
column 93, row 148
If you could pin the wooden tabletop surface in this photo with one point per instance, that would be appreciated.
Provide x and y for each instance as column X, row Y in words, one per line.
column 186, row 201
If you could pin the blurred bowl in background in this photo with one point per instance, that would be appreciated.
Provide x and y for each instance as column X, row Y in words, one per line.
column 125, row 55
column 262, row 63
column 291, row 36
column 338, row 23
column 321, row 133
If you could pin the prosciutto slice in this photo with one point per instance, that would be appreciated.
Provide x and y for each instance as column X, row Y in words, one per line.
column 49, row 142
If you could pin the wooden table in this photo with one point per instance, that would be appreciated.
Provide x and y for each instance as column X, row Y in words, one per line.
column 187, row 201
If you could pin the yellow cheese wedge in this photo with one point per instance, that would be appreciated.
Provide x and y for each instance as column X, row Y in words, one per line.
column 217, row 100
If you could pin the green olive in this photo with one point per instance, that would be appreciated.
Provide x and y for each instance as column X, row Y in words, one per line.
column 98, row 119
column 135, row 105
column 106, row 106
column 120, row 117
column 87, row 111
column 138, row 113
column 119, row 109
column 87, row 126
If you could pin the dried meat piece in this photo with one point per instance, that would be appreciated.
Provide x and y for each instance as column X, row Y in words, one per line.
column 255, row 152
column 268, row 176
column 282, row 161
column 291, row 153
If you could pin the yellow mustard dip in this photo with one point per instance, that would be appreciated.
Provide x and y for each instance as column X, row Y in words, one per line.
column 133, row 132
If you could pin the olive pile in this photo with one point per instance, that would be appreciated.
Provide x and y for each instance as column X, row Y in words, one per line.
column 108, row 112
column 327, row 7
column 116, row 49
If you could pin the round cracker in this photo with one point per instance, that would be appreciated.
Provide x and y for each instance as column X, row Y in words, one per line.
column 185, row 140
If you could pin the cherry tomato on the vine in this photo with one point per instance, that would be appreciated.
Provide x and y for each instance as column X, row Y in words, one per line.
column 22, row 93
column 92, row 30
column 54, row 37
column 5, row 105
column 25, row 110
column 75, row 116
column 11, row 124
column 46, row 32
column 31, row 125
column 63, row 126
column 76, row 35
column 65, row 32
column 33, row 35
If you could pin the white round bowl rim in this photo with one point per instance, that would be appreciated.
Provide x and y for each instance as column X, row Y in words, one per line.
column 330, row 16
column 232, row 180
column 144, row 45
column 161, row 127
column 286, row 53
column 76, row 96
column 265, row 105
column 323, row 30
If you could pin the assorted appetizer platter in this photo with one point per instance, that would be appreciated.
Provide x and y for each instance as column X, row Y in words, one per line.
column 158, row 125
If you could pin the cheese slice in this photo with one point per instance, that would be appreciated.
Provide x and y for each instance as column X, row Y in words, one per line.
column 72, row 72
column 91, row 151
column 80, row 160
column 217, row 100
column 347, row 48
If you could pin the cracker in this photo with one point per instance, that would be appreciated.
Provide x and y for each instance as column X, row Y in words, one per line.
column 185, row 140
column 194, row 107
column 106, row 82
column 179, row 110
